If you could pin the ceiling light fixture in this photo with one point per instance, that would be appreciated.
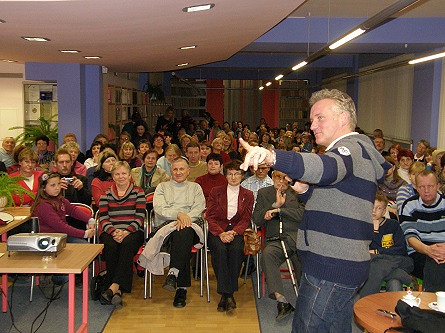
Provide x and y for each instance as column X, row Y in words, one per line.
column 198, row 8
column 10, row 61
column 36, row 39
column 299, row 65
column 347, row 38
column 261, row 88
column 92, row 57
column 188, row 47
column 427, row 58
column 268, row 84
column 278, row 77
column 69, row 51
column 2, row 21
column 183, row 64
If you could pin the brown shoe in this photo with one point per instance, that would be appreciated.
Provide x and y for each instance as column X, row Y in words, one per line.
column 230, row 304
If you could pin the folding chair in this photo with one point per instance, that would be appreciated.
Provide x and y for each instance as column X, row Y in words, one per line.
column 261, row 233
column 201, row 255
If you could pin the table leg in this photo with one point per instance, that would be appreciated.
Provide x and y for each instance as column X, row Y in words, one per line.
column 71, row 302
column 84, row 326
column 5, row 292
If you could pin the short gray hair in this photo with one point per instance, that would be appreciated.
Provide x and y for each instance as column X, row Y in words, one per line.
column 343, row 103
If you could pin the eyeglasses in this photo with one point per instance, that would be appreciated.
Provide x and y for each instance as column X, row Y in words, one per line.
column 234, row 174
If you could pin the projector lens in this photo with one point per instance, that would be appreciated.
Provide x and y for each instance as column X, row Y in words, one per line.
column 43, row 243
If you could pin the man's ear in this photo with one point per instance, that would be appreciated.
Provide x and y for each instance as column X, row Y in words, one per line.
column 344, row 117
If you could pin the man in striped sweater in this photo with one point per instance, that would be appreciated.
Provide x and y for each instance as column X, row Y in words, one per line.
column 423, row 223
column 336, row 229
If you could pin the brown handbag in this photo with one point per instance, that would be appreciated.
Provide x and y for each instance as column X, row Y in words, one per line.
column 252, row 242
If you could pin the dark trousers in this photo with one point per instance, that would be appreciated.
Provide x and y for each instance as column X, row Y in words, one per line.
column 119, row 258
column 227, row 259
column 433, row 276
column 180, row 253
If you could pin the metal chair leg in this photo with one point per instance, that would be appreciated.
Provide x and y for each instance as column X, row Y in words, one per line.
column 32, row 287
column 258, row 274
column 246, row 268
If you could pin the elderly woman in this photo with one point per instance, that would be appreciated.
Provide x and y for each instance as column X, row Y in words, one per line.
column 228, row 213
column 102, row 177
column 172, row 152
column 148, row 176
column 128, row 153
column 217, row 148
column 392, row 181
column 74, row 150
column 121, row 218
column 27, row 160
column 45, row 156
column 405, row 158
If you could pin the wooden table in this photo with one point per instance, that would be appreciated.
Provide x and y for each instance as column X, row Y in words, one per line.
column 15, row 211
column 365, row 309
column 74, row 259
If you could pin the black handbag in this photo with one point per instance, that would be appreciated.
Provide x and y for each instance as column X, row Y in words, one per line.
column 97, row 285
column 416, row 320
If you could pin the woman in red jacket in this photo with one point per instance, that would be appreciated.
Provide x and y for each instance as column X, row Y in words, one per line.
column 27, row 159
column 229, row 209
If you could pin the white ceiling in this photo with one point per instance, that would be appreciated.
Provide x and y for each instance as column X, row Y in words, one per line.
column 145, row 35
column 135, row 35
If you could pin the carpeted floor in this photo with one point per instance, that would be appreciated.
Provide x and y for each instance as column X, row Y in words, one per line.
column 56, row 319
column 267, row 310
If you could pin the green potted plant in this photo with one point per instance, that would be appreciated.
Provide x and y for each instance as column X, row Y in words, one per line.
column 46, row 127
column 8, row 187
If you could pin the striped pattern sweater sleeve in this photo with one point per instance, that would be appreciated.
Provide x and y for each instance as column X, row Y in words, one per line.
column 336, row 229
column 125, row 213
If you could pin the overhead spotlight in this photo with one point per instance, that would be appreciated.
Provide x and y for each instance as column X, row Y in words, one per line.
column 36, row 39
column 9, row 61
column 92, row 57
column 69, row 51
column 427, row 58
column 278, row 77
column 268, row 84
column 299, row 65
column 261, row 88
column 188, row 47
column 347, row 38
column 183, row 64
column 198, row 8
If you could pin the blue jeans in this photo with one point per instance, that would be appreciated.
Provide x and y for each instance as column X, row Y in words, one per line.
column 323, row 306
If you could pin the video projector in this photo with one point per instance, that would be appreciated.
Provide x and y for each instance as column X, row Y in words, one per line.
column 36, row 242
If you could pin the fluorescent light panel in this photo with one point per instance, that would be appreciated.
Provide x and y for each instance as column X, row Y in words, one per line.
column 2, row 21
column 92, row 57
column 198, row 8
column 36, row 39
column 299, row 65
column 188, row 47
column 278, row 77
column 268, row 84
column 427, row 58
column 261, row 88
column 183, row 64
column 69, row 51
column 347, row 38
column 10, row 61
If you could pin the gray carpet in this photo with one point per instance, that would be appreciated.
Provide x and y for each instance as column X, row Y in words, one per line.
column 56, row 319
column 267, row 309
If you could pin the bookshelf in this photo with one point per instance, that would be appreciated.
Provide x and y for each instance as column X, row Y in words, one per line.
column 189, row 95
column 294, row 106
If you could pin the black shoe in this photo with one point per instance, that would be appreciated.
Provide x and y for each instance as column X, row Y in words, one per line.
column 230, row 304
column 116, row 300
column 180, row 297
column 284, row 309
column 106, row 297
column 222, row 305
column 170, row 283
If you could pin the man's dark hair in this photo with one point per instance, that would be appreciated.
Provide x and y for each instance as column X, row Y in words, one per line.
column 42, row 137
column 192, row 144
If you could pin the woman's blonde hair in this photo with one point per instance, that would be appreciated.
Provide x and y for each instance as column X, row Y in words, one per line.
column 119, row 164
column 125, row 145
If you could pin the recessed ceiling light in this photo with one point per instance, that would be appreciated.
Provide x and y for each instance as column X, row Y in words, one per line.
column 92, row 57
column 278, row 77
column 261, row 88
column 6, row 60
column 2, row 21
column 36, row 39
column 198, row 8
column 69, row 51
column 183, row 64
column 188, row 47
column 268, row 84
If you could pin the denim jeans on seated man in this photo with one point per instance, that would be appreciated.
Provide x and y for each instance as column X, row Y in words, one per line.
column 323, row 306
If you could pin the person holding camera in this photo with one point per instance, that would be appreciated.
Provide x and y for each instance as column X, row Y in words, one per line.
column 74, row 187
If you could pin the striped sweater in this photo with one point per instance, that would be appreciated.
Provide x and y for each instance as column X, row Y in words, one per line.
column 426, row 223
column 336, row 229
column 125, row 213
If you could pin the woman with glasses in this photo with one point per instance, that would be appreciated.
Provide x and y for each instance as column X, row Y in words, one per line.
column 229, row 209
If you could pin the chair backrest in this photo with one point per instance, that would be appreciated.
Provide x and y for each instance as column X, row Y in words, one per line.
column 85, row 208
column 149, row 197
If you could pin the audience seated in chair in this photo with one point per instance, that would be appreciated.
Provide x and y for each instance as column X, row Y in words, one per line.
column 422, row 220
column 213, row 177
column 181, row 202
column 121, row 219
column 273, row 202
column 229, row 211
column 102, row 176
column 408, row 190
column 197, row 167
column 7, row 150
column 149, row 175
column 389, row 257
